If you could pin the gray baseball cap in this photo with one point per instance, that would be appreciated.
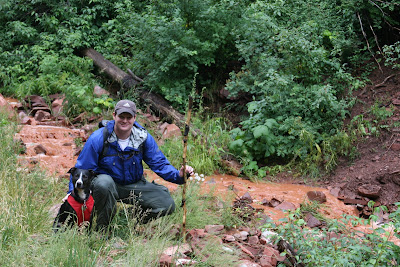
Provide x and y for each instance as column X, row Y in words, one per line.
column 125, row 106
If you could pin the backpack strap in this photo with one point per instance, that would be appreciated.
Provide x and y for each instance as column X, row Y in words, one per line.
column 106, row 144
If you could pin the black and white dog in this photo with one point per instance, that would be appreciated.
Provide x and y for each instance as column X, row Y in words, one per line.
column 78, row 207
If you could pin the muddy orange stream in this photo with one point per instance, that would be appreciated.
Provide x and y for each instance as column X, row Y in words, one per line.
column 225, row 185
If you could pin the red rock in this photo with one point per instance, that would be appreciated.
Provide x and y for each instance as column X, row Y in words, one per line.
column 6, row 105
column 254, row 232
column 247, row 263
column 165, row 261
column 243, row 235
column 98, row 91
column 275, row 202
column 245, row 250
column 265, row 262
column 369, row 190
column 24, row 119
column 36, row 101
column 214, row 229
column 270, row 256
column 170, row 131
column 355, row 201
column 312, row 222
column 265, row 202
column 244, row 228
column 247, row 197
column 229, row 238
column 57, row 107
column 395, row 147
column 253, row 240
column 42, row 115
column 335, row 191
column 286, row 206
column 317, row 196
column 196, row 233
column 179, row 251
column 40, row 149
column 151, row 118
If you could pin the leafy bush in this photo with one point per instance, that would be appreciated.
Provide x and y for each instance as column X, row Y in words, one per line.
column 294, row 72
column 170, row 41
column 37, row 49
column 337, row 244
column 391, row 54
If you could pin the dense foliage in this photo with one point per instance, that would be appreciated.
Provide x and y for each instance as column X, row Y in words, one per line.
column 336, row 245
column 292, row 59
column 297, row 70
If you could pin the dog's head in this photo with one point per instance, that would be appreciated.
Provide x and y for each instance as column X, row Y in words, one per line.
column 81, row 178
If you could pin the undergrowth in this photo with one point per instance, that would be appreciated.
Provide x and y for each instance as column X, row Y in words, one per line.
column 349, row 241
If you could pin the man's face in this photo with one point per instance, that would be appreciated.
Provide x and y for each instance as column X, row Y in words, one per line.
column 124, row 121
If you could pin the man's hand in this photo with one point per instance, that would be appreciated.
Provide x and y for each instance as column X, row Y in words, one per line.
column 189, row 171
column 65, row 198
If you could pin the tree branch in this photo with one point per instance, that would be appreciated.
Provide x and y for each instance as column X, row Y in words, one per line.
column 384, row 81
column 366, row 39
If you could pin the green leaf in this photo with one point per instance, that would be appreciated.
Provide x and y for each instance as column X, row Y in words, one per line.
column 252, row 107
column 260, row 130
column 270, row 123
column 236, row 145
column 253, row 165
column 97, row 110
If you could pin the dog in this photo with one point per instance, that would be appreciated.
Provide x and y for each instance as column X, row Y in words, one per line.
column 77, row 209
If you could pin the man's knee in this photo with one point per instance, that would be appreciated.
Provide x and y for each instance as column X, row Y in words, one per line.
column 170, row 206
column 102, row 184
column 164, row 206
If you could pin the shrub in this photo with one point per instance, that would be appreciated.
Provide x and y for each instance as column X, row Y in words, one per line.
column 294, row 72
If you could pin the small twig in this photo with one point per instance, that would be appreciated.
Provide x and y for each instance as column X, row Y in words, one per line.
column 134, row 76
column 372, row 2
column 384, row 81
column 389, row 146
column 376, row 38
column 396, row 4
column 366, row 39
column 391, row 26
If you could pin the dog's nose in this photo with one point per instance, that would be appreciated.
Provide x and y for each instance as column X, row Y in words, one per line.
column 78, row 184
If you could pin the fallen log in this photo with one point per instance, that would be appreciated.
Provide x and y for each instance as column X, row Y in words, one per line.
column 112, row 71
column 156, row 102
column 159, row 105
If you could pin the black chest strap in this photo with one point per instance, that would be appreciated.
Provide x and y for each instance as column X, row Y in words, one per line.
column 123, row 154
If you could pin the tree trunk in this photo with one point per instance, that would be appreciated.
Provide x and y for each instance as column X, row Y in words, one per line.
column 112, row 71
column 159, row 105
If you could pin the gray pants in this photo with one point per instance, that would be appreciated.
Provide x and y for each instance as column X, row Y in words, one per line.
column 152, row 198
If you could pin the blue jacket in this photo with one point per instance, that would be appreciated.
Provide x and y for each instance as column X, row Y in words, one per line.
column 122, row 167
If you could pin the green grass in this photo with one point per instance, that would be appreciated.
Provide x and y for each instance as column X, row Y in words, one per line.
column 205, row 150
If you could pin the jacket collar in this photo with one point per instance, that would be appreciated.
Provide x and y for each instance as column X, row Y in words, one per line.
column 137, row 137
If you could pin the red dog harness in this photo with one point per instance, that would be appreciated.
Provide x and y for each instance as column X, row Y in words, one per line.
column 83, row 210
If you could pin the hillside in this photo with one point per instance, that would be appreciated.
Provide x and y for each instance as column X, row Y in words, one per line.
column 377, row 164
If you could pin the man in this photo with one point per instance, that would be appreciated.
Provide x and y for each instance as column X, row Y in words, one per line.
column 118, row 163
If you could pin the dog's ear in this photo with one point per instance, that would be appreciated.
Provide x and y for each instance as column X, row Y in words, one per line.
column 92, row 173
column 72, row 170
